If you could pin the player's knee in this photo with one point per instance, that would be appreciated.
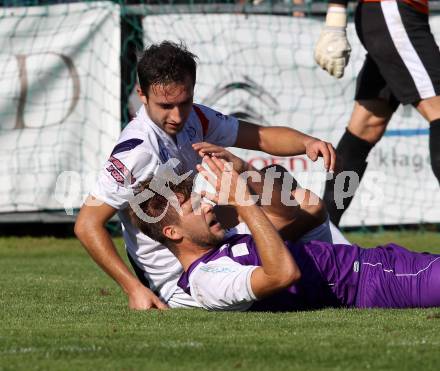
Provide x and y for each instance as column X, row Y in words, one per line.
column 370, row 119
column 372, row 130
column 78, row 228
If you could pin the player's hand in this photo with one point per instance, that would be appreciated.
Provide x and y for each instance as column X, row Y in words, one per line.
column 142, row 298
column 332, row 51
column 318, row 148
column 230, row 187
column 205, row 148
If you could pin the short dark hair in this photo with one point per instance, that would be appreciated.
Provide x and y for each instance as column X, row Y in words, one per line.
column 156, row 205
column 165, row 63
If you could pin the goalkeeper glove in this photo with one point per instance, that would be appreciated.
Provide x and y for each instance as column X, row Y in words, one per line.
column 332, row 50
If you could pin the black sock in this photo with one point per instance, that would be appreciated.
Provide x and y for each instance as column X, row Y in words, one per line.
column 434, row 147
column 352, row 152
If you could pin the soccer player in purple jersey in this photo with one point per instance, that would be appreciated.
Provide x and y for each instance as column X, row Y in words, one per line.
column 262, row 272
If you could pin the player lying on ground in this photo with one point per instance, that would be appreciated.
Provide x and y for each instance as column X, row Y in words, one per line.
column 262, row 272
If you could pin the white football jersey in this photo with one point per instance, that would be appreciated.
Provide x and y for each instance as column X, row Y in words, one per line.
column 223, row 284
column 140, row 150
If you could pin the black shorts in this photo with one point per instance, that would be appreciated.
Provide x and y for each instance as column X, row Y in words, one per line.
column 403, row 61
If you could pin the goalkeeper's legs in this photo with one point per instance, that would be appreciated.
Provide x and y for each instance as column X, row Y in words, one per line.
column 367, row 125
column 430, row 110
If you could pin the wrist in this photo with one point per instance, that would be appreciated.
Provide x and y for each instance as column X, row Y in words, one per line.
column 336, row 16
column 130, row 288
column 308, row 140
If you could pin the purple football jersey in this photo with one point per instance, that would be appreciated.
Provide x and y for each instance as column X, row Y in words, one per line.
column 394, row 277
column 330, row 274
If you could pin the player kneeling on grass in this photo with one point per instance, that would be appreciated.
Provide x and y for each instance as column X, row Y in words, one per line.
column 263, row 272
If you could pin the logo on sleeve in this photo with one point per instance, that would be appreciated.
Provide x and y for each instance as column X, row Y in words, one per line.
column 240, row 250
column 218, row 269
column 119, row 171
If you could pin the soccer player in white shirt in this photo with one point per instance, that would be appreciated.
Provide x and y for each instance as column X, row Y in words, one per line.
column 168, row 126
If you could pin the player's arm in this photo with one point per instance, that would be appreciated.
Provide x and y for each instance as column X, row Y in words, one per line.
column 278, row 268
column 332, row 51
column 284, row 141
column 90, row 230
column 227, row 131
column 292, row 210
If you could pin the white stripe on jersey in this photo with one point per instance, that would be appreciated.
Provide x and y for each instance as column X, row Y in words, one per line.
column 413, row 274
column 406, row 50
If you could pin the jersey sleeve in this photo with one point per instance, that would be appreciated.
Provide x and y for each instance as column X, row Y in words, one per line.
column 108, row 191
column 220, row 129
column 223, row 284
column 121, row 174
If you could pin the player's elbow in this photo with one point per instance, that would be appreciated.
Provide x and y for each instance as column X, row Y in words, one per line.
column 80, row 228
column 92, row 219
column 292, row 276
column 84, row 224
column 266, row 283
column 287, row 277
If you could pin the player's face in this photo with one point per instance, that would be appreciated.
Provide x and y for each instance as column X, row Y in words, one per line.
column 199, row 223
column 169, row 106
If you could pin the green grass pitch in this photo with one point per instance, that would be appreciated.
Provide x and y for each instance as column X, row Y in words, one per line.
column 58, row 311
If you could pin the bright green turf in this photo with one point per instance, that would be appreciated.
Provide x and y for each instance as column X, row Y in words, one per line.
column 58, row 311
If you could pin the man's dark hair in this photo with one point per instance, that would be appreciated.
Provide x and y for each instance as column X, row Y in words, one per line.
column 165, row 63
column 155, row 206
